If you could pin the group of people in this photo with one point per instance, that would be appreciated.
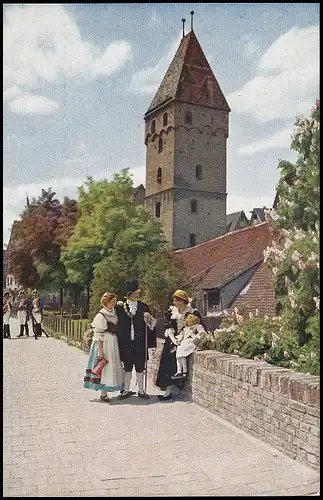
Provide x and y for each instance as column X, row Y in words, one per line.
column 26, row 309
column 122, row 334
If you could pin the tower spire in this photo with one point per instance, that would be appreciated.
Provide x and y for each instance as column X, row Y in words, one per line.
column 27, row 200
column 183, row 21
column 192, row 14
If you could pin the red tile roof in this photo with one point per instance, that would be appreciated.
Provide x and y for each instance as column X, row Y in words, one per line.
column 189, row 78
column 259, row 294
column 216, row 261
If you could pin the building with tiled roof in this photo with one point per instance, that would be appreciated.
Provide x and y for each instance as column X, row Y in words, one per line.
column 220, row 269
column 236, row 220
column 258, row 294
column 186, row 131
column 257, row 216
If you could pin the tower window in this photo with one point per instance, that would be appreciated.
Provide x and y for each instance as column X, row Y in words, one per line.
column 192, row 240
column 193, row 207
column 160, row 144
column 188, row 118
column 153, row 127
column 165, row 119
column 159, row 175
column 198, row 172
column 157, row 209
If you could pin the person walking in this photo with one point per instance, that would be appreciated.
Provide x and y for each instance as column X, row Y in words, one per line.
column 136, row 331
column 105, row 347
column 23, row 313
column 168, row 363
column 7, row 308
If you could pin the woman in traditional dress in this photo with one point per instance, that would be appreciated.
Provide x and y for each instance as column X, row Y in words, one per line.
column 105, row 346
column 175, row 322
column 6, row 315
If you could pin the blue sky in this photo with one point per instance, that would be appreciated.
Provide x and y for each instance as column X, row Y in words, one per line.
column 78, row 79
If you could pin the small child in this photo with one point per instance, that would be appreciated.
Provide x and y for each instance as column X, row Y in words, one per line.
column 186, row 343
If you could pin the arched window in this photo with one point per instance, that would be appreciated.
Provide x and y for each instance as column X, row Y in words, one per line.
column 159, row 175
column 198, row 172
column 153, row 127
column 188, row 118
column 165, row 119
column 157, row 209
column 194, row 207
column 160, row 144
column 192, row 240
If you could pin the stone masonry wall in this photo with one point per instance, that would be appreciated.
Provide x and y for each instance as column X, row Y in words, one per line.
column 277, row 405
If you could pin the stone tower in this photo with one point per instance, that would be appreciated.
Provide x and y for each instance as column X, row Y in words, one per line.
column 186, row 131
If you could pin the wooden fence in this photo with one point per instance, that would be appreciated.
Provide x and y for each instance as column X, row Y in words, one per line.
column 73, row 330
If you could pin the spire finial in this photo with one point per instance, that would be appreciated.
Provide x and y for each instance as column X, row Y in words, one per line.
column 192, row 14
column 183, row 21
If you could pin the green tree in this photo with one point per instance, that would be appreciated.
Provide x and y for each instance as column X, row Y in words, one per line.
column 115, row 240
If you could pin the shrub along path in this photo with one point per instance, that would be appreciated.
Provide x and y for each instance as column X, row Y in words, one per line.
column 60, row 441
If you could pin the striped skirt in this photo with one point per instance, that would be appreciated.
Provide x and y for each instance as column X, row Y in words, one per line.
column 112, row 374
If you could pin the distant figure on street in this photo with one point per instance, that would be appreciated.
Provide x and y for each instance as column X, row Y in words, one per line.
column 105, row 347
column 23, row 313
column 134, row 323
column 36, row 314
column 168, row 364
column 7, row 307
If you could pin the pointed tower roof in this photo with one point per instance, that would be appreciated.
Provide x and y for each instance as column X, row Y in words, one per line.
column 189, row 78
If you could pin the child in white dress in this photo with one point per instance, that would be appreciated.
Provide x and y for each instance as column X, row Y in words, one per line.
column 187, row 341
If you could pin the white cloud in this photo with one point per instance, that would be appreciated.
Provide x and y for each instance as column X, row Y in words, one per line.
column 138, row 175
column 289, row 79
column 28, row 104
column 147, row 81
column 113, row 58
column 281, row 139
column 11, row 93
column 250, row 46
column 43, row 43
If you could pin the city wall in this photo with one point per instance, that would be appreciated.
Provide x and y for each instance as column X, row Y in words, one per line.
column 274, row 404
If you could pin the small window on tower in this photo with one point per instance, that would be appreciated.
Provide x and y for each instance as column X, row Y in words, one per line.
column 188, row 118
column 160, row 144
column 194, row 207
column 198, row 172
column 159, row 175
column 157, row 209
column 153, row 127
column 165, row 119
column 192, row 240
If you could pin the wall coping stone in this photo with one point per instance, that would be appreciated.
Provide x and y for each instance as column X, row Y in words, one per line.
column 300, row 387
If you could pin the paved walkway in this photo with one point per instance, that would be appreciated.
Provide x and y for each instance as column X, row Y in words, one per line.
column 59, row 440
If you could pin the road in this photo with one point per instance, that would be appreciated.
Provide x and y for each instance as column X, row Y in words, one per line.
column 59, row 440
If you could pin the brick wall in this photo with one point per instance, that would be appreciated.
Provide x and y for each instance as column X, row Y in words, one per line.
column 277, row 405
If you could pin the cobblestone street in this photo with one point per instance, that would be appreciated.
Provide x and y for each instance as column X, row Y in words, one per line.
column 59, row 440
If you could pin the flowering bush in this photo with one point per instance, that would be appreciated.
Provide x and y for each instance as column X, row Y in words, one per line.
column 292, row 339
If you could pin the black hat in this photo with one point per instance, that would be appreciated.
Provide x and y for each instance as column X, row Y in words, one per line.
column 131, row 286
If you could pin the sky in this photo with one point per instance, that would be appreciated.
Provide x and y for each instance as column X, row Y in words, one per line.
column 78, row 79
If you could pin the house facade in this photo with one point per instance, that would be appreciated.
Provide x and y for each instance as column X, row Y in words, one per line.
column 229, row 271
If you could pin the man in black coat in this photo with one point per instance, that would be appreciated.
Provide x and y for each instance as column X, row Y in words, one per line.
column 134, row 321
